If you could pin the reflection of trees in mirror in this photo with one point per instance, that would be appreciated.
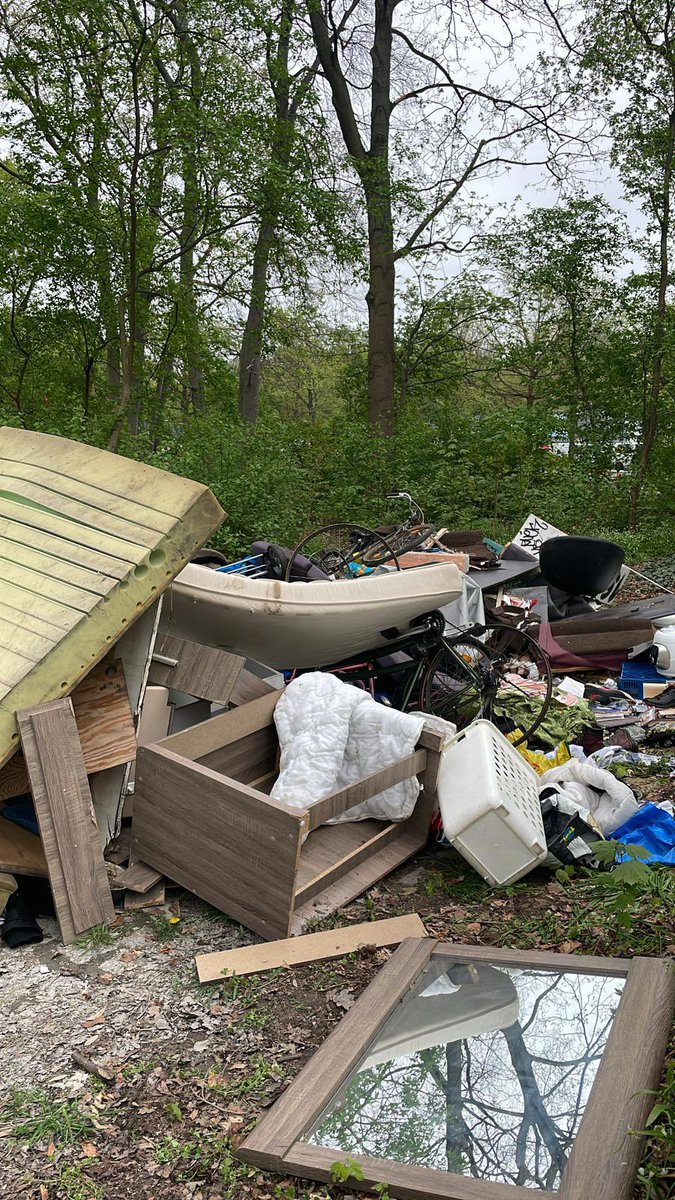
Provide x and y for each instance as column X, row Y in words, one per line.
column 503, row 1105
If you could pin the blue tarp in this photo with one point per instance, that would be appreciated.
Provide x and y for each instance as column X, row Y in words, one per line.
column 654, row 829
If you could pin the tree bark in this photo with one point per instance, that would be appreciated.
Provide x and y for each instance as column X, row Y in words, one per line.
column 250, row 353
column 650, row 420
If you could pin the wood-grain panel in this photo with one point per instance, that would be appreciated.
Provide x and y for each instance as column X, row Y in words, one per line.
column 223, row 729
column 366, row 788
column 200, row 671
column 235, row 848
column 606, row 1154
column 65, row 815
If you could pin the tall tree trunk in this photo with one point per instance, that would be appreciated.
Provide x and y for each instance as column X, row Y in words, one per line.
column 286, row 110
column 250, row 353
column 651, row 414
column 382, row 272
column 380, row 297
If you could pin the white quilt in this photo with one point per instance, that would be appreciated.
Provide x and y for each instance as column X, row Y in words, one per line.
column 331, row 734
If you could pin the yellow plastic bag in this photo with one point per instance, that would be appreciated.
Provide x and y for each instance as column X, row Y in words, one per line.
column 540, row 760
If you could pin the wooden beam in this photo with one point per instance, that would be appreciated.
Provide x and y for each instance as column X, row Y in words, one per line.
column 366, row 788
column 330, row 943
column 65, row 813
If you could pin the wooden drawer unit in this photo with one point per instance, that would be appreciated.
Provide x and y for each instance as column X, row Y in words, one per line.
column 203, row 816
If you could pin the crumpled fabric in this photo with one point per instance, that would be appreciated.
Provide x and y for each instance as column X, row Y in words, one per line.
column 607, row 799
column 332, row 734
column 562, row 723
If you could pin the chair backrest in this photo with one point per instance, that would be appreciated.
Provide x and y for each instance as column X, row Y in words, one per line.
column 580, row 566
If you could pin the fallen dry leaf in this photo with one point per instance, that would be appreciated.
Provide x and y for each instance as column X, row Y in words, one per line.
column 89, row 1150
column 342, row 998
column 51, row 1150
column 569, row 947
column 97, row 1019
column 44, row 1194
column 474, row 926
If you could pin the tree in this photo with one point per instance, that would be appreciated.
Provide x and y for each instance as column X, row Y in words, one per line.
column 629, row 54
column 558, row 267
column 428, row 127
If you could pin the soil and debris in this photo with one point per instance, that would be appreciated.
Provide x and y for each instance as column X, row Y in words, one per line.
column 124, row 1079
column 175, row 1073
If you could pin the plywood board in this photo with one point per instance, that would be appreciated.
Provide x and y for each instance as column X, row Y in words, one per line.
column 21, row 852
column 88, row 540
column 200, row 671
column 331, row 943
column 70, row 840
column 104, row 724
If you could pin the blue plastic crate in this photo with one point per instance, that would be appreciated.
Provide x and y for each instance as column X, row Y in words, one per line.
column 634, row 675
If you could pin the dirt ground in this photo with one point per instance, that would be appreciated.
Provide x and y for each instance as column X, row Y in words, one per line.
column 188, row 1068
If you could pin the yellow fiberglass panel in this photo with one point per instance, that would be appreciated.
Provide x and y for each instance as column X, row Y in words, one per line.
column 88, row 540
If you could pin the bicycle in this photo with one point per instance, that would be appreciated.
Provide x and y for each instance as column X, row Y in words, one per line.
column 460, row 677
column 343, row 549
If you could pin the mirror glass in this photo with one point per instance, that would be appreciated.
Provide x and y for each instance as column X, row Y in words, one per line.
column 483, row 1071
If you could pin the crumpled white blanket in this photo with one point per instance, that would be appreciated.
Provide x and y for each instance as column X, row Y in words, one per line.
column 332, row 734
column 610, row 801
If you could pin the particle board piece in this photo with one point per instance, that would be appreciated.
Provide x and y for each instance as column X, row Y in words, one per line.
column 88, row 541
column 70, row 840
column 149, row 899
column 331, row 943
column 200, row 671
column 250, row 687
column 104, row 724
column 139, row 877
column 21, row 852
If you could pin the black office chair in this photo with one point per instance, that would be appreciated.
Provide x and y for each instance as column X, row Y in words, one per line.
column 576, row 570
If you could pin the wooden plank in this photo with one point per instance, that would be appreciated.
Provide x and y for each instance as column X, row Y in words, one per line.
column 223, row 729
column 232, row 846
column 371, row 785
column 248, row 758
column 104, row 724
column 606, row 1154
column 250, row 687
column 150, row 898
column 21, row 852
column 201, row 671
column 65, row 815
column 332, row 850
column 358, row 879
column 331, row 943
column 402, row 1180
column 333, row 1062
column 138, row 878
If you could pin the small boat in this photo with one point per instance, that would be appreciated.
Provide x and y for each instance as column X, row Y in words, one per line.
column 313, row 624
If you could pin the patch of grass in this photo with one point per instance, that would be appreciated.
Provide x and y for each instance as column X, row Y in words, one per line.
column 240, row 1084
column 164, row 928
column 98, row 935
column 36, row 1117
column 212, row 1153
column 134, row 1070
column 74, row 1184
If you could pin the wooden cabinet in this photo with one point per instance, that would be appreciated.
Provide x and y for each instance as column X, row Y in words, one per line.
column 204, row 817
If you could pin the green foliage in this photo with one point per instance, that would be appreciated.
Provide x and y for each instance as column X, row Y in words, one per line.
column 343, row 1172
column 36, row 1117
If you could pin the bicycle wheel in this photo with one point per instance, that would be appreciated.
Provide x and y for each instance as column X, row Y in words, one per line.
column 525, row 679
column 344, row 550
column 459, row 682
column 402, row 541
